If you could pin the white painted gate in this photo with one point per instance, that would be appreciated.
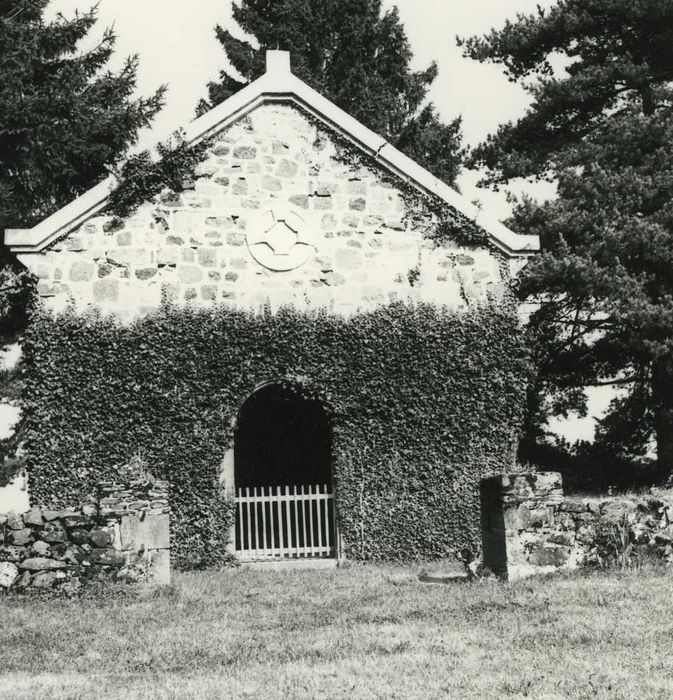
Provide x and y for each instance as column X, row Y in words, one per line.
column 284, row 522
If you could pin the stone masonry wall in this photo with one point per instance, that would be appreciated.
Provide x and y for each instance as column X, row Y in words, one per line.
column 360, row 244
column 529, row 527
column 123, row 535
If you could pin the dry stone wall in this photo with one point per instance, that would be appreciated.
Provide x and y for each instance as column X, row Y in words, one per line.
column 122, row 535
column 529, row 527
column 351, row 239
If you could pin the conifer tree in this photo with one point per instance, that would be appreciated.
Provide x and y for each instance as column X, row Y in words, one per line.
column 65, row 120
column 358, row 57
column 601, row 126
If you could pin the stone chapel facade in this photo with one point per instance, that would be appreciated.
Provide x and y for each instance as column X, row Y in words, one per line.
column 297, row 204
column 273, row 215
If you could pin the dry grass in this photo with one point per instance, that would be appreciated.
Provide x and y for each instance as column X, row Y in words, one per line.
column 359, row 632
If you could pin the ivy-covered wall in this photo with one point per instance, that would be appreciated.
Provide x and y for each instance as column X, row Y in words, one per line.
column 423, row 402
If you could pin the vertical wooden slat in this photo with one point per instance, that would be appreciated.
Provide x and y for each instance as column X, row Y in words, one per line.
column 296, row 521
column 265, row 549
column 256, row 517
column 288, row 533
column 279, row 502
column 303, row 521
column 247, row 499
column 240, row 518
column 328, row 523
column 310, row 519
column 318, row 504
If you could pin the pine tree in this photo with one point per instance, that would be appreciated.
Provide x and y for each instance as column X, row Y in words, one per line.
column 355, row 55
column 65, row 120
column 602, row 127
column 64, row 117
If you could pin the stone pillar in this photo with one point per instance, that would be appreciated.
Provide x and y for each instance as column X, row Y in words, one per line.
column 138, row 512
column 512, row 505
column 227, row 482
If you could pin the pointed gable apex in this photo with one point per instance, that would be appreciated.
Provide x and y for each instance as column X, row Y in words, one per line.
column 279, row 84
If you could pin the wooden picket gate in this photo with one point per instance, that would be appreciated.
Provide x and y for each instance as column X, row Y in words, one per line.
column 285, row 522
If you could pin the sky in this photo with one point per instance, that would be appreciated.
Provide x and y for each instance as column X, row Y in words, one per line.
column 176, row 44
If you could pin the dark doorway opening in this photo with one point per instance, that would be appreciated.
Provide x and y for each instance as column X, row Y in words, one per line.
column 282, row 474
column 282, row 439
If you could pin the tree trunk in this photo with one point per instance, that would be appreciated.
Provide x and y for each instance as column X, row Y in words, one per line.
column 662, row 393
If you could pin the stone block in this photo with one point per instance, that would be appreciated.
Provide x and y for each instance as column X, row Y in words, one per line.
column 463, row 259
column 245, row 152
column 81, row 271
column 106, row 557
column 150, row 533
column 299, row 200
column 44, row 580
column 209, row 292
column 20, row 537
column 271, row 184
column 347, row 258
column 548, row 555
column 159, row 572
column 40, row 549
column 75, row 243
column 287, row 168
column 129, row 532
column 8, row 574
column 358, row 204
column 207, row 257
column 189, row 274
column 322, row 203
column 156, row 531
column 54, row 532
column 125, row 257
column 240, row 186
column 23, row 581
column 13, row 553
column 146, row 273
column 333, row 279
column 328, row 222
column 356, row 186
column 41, row 564
column 14, row 521
column 372, row 293
column 572, row 507
column 106, row 290
column 101, row 537
column 46, row 290
column 185, row 222
column 167, row 256
column 50, row 515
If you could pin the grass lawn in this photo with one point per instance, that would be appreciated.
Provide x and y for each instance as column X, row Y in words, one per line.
column 357, row 632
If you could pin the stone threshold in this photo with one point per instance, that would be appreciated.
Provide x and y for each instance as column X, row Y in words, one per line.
column 289, row 564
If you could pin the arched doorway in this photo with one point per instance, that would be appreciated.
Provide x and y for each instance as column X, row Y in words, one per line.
column 283, row 478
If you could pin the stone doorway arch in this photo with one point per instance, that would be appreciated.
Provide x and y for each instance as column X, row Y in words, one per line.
column 283, row 478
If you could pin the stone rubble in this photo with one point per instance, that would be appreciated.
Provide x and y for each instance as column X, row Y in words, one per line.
column 122, row 536
column 529, row 527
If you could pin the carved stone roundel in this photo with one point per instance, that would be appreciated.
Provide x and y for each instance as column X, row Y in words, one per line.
column 280, row 239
